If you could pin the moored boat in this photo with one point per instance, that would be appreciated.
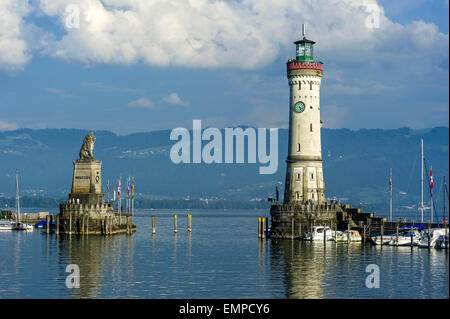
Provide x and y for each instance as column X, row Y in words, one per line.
column 6, row 225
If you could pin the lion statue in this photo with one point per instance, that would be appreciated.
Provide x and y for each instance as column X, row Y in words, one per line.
column 87, row 149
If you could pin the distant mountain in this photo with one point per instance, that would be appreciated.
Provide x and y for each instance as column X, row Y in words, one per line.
column 356, row 165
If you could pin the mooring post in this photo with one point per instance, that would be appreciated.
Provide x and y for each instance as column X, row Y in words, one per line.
column 396, row 234
column 47, row 221
column 267, row 227
column 259, row 227
column 263, row 222
column 324, row 234
column 153, row 225
column 429, row 234
column 382, row 230
column 175, row 223
column 411, row 234
column 57, row 225
column 87, row 225
column 189, row 229
column 335, row 232
column 370, row 228
column 348, row 229
column 292, row 228
column 364, row 232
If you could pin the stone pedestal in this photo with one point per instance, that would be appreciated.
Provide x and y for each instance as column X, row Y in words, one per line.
column 86, row 211
column 87, row 182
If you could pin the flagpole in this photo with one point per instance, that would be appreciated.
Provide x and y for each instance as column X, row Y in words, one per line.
column 120, row 204
column 132, row 196
column 390, row 197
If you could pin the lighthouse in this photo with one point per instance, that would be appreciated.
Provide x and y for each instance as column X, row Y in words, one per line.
column 304, row 206
column 304, row 174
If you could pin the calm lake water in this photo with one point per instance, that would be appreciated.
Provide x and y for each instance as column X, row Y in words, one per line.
column 221, row 258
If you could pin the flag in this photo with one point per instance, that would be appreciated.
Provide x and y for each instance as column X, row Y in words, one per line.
column 431, row 179
column 118, row 188
column 128, row 188
column 132, row 187
column 390, row 183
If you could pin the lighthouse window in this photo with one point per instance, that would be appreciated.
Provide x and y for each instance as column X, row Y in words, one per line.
column 297, row 195
column 310, row 127
column 299, row 85
column 297, row 176
column 312, row 176
column 312, row 195
column 298, row 147
column 310, row 85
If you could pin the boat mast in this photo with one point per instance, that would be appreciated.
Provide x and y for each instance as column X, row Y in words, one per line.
column 17, row 199
column 421, row 206
column 431, row 197
column 390, row 194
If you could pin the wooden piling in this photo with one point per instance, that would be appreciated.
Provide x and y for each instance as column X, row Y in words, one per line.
column 335, row 232
column 348, row 230
column 175, row 224
column 189, row 229
column 47, row 220
column 153, row 225
column 324, row 234
column 259, row 227
column 411, row 235
column 292, row 228
column 396, row 234
column 57, row 225
column 267, row 227
column 382, row 230
column 263, row 222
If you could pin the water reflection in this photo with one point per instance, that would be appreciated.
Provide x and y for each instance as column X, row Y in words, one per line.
column 315, row 270
column 103, row 262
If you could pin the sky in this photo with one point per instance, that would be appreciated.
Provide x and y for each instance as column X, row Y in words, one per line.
column 137, row 65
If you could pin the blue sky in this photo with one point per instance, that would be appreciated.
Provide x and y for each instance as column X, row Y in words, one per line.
column 135, row 65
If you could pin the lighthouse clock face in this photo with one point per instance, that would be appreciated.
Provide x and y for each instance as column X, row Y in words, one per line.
column 299, row 107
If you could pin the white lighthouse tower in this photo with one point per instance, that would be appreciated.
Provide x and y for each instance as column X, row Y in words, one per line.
column 304, row 175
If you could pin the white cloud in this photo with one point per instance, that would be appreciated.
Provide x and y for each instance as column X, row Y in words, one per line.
column 246, row 34
column 108, row 88
column 58, row 92
column 142, row 103
column 14, row 52
column 174, row 98
column 8, row 126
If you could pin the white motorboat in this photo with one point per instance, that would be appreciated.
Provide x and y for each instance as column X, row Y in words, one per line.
column 24, row 226
column 318, row 233
column 440, row 242
column 7, row 225
column 382, row 240
column 434, row 235
column 353, row 235
column 348, row 236
column 404, row 238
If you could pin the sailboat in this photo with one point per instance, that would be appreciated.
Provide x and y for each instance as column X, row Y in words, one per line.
column 19, row 225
